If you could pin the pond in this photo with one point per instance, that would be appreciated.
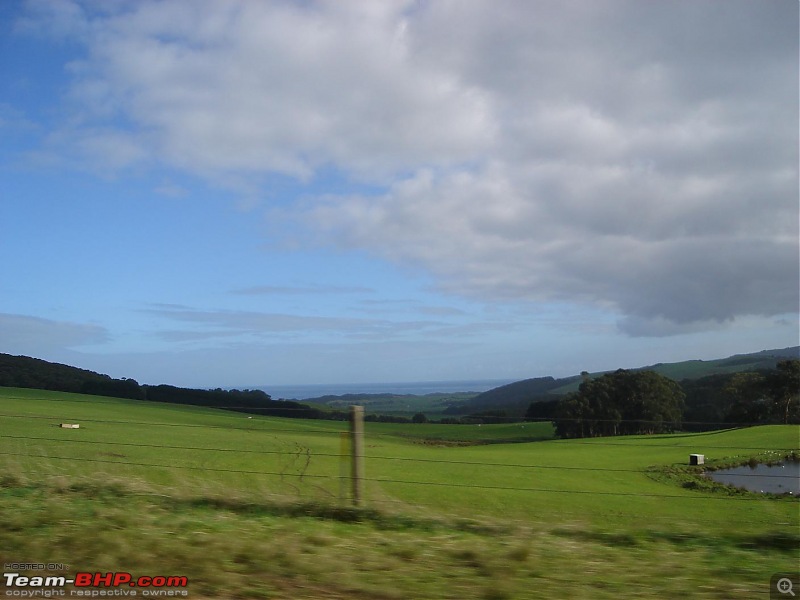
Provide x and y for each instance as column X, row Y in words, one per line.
column 780, row 478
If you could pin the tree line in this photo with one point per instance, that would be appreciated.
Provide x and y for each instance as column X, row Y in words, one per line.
column 26, row 372
column 767, row 396
column 621, row 403
column 644, row 402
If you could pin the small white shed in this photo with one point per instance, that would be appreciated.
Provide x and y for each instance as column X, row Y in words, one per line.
column 697, row 459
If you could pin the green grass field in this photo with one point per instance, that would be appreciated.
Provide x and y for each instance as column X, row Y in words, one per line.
column 406, row 405
column 256, row 507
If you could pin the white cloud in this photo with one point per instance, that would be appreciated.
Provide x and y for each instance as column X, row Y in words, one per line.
column 51, row 19
column 253, row 87
column 23, row 334
column 269, row 290
column 172, row 190
column 215, row 328
column 227, row 323
column 636, row 156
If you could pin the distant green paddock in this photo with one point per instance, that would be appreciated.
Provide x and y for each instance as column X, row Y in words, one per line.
column 432, row 405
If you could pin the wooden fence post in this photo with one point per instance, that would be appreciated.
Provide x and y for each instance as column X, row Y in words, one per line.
column 344, row 452
column 357, row 452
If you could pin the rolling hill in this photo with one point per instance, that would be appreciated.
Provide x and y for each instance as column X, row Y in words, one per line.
column 519, row 395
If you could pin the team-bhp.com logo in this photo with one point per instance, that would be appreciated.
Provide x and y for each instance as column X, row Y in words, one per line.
column 94, row 585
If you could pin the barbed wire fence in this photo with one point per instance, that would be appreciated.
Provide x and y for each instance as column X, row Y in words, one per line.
column 352, row 449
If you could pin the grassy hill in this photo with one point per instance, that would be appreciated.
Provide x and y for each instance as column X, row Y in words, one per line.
column 514, row 398
column 695, row 369
column 252, row 507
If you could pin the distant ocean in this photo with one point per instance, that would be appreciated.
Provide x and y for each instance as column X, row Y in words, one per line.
column 417, row 388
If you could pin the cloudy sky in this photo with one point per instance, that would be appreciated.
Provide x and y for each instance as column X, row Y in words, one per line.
column 243, row 193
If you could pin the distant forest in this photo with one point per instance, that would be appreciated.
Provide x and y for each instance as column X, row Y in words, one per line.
column 644, row 402
column 618, row 403
column 25, row 372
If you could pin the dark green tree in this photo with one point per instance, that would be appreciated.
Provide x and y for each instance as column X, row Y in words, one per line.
column 748, row 399
column 619, row 403
column 784, row 390
column 765, row 396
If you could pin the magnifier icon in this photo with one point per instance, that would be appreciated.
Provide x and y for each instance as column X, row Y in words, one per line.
column 784, row 586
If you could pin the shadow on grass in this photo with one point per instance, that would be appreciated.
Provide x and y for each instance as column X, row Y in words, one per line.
column 435, row 441
column 344, row 514
column 112, row 491
column 778, row 540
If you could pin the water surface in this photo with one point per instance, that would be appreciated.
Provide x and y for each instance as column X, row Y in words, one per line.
column 771, row 479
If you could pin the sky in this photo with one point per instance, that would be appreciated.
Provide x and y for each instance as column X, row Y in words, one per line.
column 243, row 193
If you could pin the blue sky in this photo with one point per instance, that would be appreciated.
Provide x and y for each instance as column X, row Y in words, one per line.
column 239, row 193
